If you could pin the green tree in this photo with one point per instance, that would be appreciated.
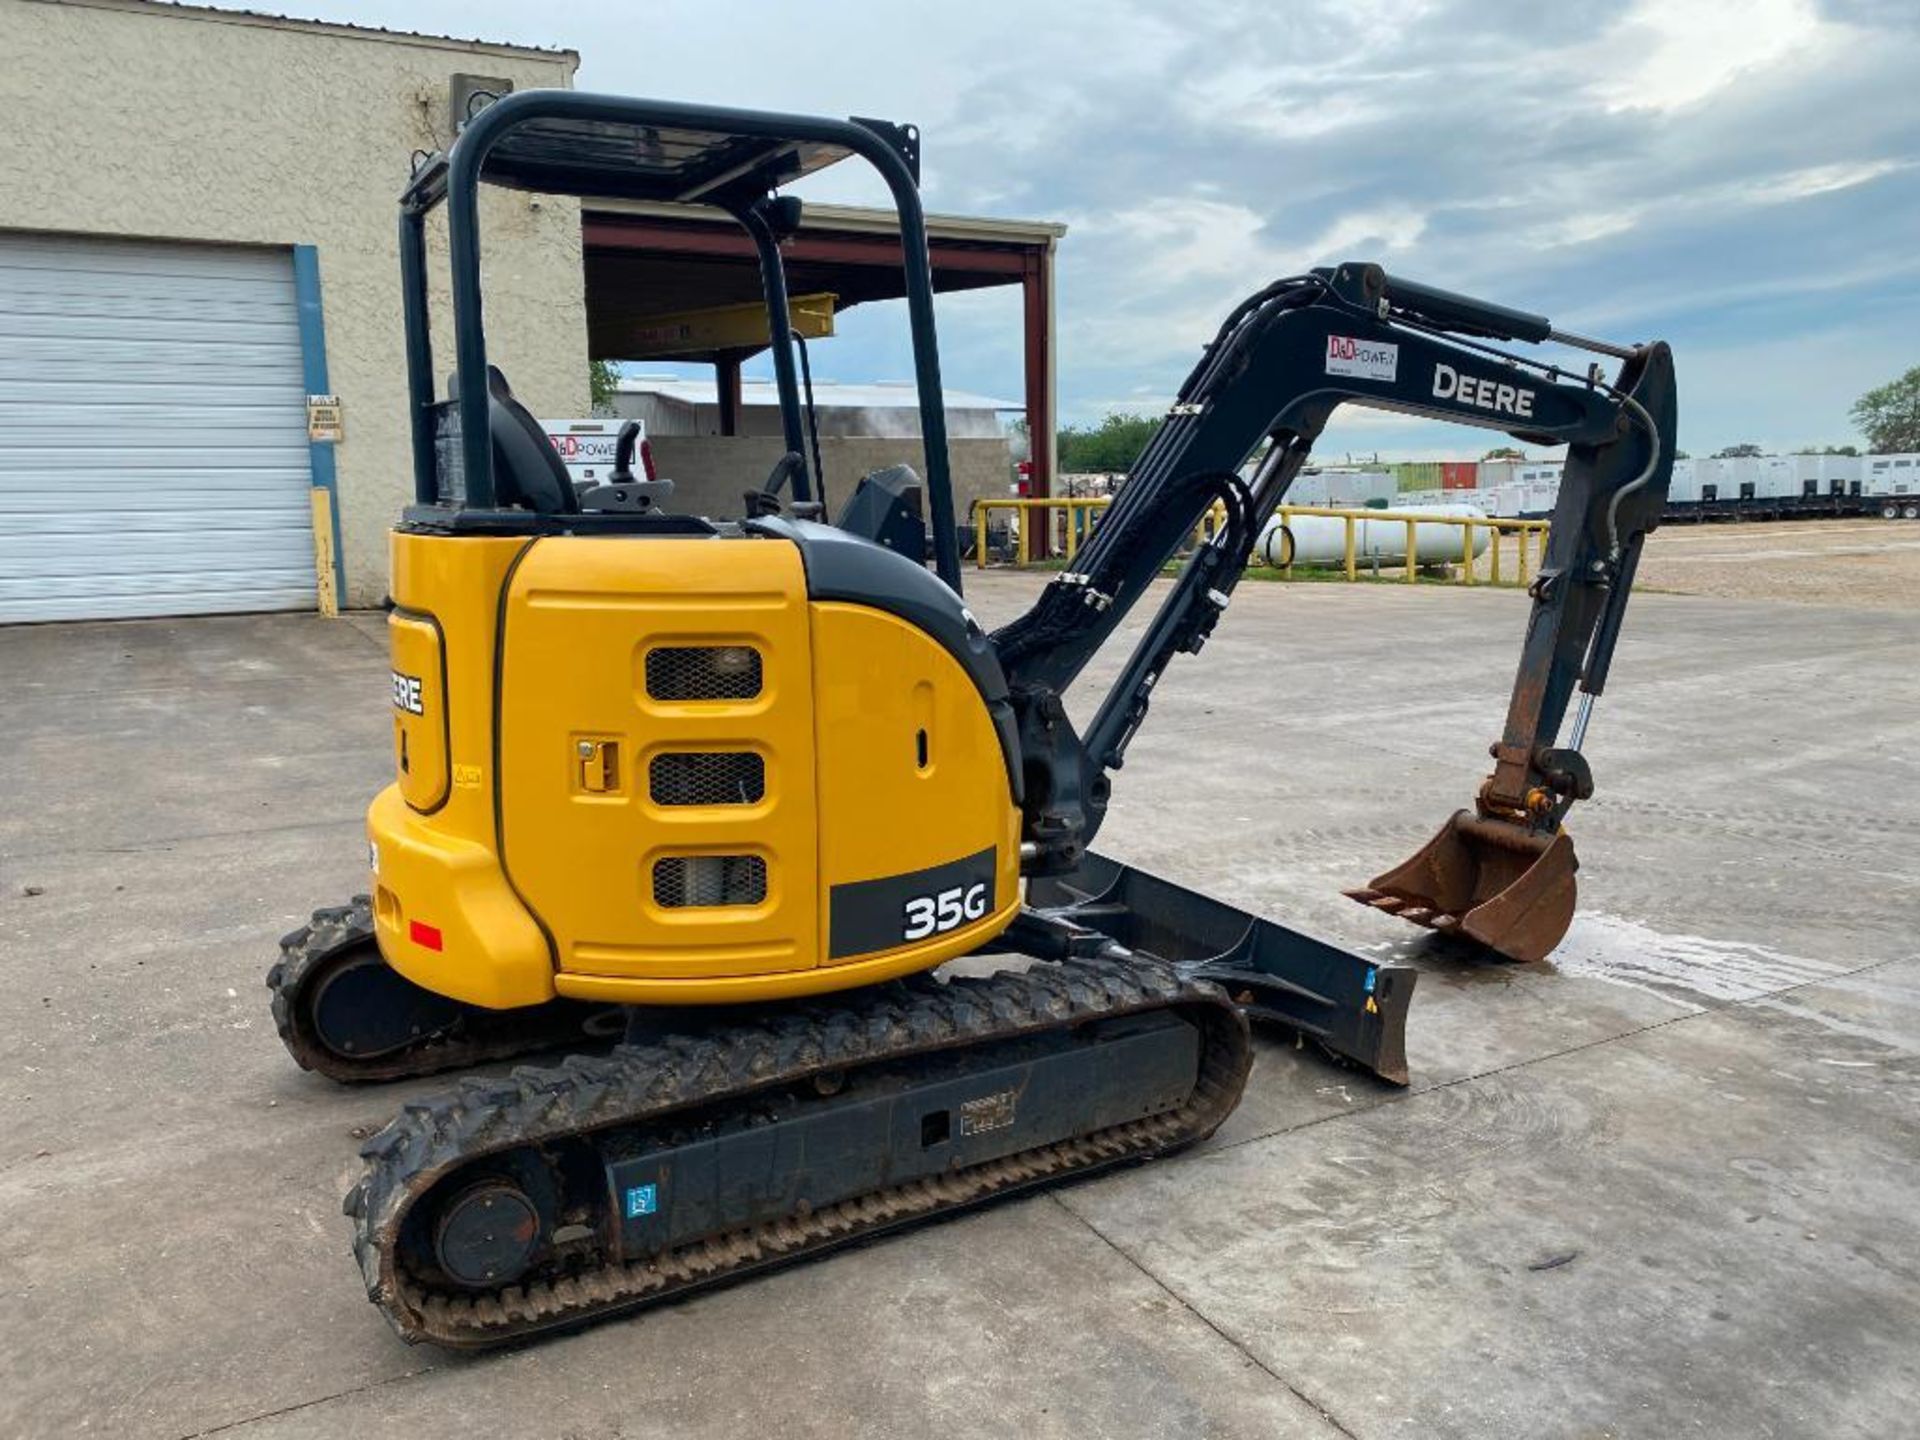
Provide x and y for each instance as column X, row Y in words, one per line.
column 603, row 378
column 1110, row 447
column 1828, row 450
column 1890, row 416
column 1742, row 451
column 1504, row 452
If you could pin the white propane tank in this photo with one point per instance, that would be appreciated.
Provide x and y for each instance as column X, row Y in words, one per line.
column 1322, row 539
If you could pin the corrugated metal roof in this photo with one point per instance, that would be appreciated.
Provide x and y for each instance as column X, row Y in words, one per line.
column 239, row 15
column 882, row 395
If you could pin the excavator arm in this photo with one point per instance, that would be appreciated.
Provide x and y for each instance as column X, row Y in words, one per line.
column 1279, row 367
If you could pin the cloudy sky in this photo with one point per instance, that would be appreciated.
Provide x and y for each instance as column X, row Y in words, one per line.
column 1738, row 177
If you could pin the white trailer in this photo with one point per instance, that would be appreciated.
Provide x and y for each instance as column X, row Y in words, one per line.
column 1765, row 487
column 1891, row 485
column 1684, row 488
column 1501, row 501
column 1342, row 489
column 1740, row 477
column 1825, row 475
column 1774, row 478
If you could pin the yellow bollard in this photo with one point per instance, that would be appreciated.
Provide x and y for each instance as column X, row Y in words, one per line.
column 1351, row 568
column 1466, row 553
column 1413, row 552
column 980, row 535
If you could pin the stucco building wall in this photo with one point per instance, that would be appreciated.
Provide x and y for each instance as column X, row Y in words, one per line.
column 169, row 123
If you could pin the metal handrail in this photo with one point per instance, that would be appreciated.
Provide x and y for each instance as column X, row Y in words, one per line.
column 1074, row 507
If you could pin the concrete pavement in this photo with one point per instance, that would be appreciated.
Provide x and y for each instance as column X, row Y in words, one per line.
column 1665, row 1184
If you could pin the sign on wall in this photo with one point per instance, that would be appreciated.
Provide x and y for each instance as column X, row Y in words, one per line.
column 324, row 420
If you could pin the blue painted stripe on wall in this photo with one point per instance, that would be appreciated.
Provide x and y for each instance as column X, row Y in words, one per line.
column 313, row 364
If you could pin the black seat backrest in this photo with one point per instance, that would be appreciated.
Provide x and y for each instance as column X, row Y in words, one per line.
column 526, row 469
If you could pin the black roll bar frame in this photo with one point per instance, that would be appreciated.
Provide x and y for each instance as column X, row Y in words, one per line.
column 454, row 177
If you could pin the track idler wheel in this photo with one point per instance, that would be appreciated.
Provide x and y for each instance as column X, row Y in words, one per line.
column 364, row 1009
column 487, row 1235
column 343, row 1012
column 1508, row 888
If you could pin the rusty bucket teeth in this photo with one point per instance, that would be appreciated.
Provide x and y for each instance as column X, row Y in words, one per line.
column 1497, row 883
column 1388, row 903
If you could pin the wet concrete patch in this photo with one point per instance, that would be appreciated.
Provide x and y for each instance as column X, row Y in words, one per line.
column 1687, row 968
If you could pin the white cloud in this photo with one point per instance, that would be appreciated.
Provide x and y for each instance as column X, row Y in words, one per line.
column 1817, row 180
column 1381, row 231
column 1729, row 173
column 1283, row 106
column 1679, row 52
column 1190, row 237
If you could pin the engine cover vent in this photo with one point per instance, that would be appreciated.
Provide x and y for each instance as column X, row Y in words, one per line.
column 703, row 672
column 707, row 777
column 685, row 882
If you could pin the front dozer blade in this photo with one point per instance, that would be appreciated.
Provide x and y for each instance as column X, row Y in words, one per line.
column 1493, row 882
column 1353, row 1007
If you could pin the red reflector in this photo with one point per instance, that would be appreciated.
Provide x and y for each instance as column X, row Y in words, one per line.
column 427, row 935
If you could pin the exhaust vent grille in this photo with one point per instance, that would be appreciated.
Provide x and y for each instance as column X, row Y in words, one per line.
column 703, row 672
column 707, row 777
column 685, row 882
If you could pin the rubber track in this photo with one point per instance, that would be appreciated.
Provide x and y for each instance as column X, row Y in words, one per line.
column 335, row 929
column 637, row 1083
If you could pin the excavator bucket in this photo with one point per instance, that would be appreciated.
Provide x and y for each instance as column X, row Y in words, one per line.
column 1494, row 882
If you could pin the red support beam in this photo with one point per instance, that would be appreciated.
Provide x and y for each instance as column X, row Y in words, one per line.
column 665, row 238
column 1034, row 288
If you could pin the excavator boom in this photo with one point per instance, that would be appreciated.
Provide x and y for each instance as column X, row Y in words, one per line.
column 1501, row 873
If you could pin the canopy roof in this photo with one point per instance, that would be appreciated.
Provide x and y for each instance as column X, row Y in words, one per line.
column 571, row 143
column 645, row 162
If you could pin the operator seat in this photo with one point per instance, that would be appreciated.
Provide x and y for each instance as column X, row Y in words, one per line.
column 527, row 471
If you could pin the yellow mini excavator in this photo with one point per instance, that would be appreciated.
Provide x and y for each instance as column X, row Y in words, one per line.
column 707, row 800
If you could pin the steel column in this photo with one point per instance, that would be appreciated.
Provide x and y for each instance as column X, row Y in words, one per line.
column 1036, row 293
column 726, row 373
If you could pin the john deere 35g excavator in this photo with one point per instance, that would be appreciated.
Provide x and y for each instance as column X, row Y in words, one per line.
column 707, row 800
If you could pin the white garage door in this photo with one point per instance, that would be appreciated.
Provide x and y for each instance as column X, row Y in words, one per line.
column 153, row 444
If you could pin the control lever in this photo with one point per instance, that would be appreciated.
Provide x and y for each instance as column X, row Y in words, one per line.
column 766, row 500
column 621, row 490
column 623, row 448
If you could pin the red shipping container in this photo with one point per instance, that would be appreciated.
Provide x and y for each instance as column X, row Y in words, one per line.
column 1459, row 474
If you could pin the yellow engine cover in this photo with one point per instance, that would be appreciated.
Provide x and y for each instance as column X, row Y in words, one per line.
column 688, row 782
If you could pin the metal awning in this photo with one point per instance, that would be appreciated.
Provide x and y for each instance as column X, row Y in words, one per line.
column 642, row 261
